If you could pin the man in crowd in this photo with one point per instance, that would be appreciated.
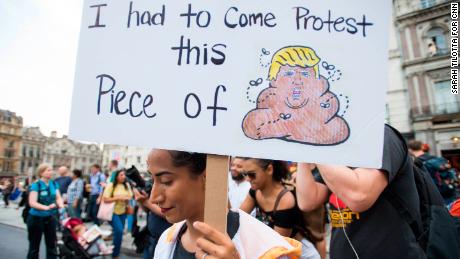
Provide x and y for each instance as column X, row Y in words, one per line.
column 238, row 187
column 97, row 179
column 113, row 166
column 364, row 222
column 63, row 180
column 439, row 168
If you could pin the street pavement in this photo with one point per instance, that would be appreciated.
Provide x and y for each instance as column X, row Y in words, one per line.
column 13, row 236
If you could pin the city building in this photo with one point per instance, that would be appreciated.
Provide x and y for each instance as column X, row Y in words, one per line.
column 66, row 152
column 423, row 36
column 33, row 144
column 126, row 156
column 10, row 142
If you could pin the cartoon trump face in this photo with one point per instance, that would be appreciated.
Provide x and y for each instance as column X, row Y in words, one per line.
column 297, row 106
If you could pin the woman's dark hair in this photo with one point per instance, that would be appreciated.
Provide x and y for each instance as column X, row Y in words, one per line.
column 115, row 181
column 280, row 168
column 195, row 162
column 77, row 173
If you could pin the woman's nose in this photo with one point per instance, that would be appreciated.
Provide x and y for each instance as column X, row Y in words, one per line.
column 156, row 195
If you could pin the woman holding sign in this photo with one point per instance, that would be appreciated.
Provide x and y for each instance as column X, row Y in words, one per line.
column 274, row 204
column 179, row 191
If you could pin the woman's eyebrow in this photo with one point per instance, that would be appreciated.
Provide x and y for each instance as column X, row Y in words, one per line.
column 162, row 173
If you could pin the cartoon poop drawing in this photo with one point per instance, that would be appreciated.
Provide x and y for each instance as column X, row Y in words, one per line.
column 297, row 106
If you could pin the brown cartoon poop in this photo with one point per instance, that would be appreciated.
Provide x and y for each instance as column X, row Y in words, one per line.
column 297, row 106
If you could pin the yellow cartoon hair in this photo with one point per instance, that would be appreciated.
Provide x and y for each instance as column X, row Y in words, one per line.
column 293, row 56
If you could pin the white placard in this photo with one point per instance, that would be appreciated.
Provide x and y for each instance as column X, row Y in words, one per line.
column 287, row 80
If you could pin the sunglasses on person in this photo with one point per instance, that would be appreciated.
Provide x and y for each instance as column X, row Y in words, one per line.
column 250, row 175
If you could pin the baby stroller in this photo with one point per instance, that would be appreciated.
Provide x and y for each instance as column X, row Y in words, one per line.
column 70, row 248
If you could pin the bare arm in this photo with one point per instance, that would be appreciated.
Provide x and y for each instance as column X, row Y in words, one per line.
column 59, row 200
column 358, row 188
column 142, row 198
column 153, row 208
column 33, row 202
column 310, row 194
column 248, row 204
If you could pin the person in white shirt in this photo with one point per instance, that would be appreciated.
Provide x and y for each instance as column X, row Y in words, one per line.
column 238, row 187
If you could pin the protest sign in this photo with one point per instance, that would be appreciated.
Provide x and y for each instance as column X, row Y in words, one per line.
column 288, row 80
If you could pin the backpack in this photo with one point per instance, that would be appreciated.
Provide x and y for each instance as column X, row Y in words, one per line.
column 435, row 166
column 311, row 223
column 438, row 235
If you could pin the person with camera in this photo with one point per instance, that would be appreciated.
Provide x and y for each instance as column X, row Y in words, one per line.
column 44, row 198
column 156, row 222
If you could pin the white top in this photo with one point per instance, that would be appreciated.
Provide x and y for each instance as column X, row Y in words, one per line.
column 237, row 192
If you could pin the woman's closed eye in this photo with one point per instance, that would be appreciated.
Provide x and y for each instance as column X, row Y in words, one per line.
column 166, row 182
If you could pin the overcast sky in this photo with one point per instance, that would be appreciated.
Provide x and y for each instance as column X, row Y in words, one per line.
column 38, row 47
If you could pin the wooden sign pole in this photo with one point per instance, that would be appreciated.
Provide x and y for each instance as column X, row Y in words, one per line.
column 216, row 196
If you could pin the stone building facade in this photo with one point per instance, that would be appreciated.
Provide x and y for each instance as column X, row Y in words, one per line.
column 423, row 35
column 126, row 156
column 10, row 143
column 33, row 145
column 62, row 151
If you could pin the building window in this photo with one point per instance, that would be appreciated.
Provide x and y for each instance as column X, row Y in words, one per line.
column 427, row 3
column 445, row 101
column 11, row 144
column 7, row 117
column 24, row 151
column 9, row 153
column 436, row 42
column 138, row 159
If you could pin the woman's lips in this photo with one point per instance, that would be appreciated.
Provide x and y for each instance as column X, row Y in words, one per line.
column 164, row 210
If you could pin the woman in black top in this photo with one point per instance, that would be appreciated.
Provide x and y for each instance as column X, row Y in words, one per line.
column 274, row 204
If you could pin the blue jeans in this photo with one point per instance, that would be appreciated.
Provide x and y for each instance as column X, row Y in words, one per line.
column 93, row 208
column 118, row 225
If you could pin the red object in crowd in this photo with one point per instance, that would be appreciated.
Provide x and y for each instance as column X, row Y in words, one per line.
column 71, row 223
column 426, row 148
column 455, row 208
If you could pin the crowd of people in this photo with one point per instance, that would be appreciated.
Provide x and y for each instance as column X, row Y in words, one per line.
column 276, row 208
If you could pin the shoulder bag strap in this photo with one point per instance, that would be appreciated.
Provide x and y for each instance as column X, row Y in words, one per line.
column 278, row 198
